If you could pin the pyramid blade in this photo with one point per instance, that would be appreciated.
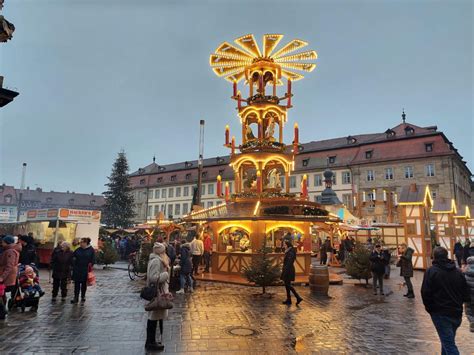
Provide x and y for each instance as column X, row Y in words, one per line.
column 307, row 67
column 228, row 50
column 307, row 55
column 248, row 43
column 290, row 47
column 270, row 41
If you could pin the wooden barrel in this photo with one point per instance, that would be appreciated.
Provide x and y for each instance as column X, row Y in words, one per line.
column 319, row 280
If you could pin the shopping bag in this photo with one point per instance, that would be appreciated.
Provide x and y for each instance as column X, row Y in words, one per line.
column 90, row 278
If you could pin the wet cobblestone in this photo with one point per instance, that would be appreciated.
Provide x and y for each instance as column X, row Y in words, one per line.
column 112, row 321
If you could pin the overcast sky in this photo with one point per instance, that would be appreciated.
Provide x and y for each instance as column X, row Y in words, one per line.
column 97, row 76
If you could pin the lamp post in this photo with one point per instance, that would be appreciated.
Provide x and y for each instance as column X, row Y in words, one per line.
column 22, row 187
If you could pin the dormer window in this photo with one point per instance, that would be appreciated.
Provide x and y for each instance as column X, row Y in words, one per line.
column 409, row 131
column 351, row 140
column 305, row 162
column 8, row 199
column 173, row 177
column 161, row 168
column 160, row 179
column 390, row 133
column 142, row 182
column 49, row 200
column 429, row 147
column 332, row 160
column 369, row 154
column 141, row 171
column 204, row 174
column 221, row 172
column 71, row 201
column 219, row 160
column 188, row 164
column 92, row 203
column 188, row 176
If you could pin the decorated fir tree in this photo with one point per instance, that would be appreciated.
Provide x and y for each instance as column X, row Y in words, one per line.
column 262, row 271
column 358, row 263
column 118, row 210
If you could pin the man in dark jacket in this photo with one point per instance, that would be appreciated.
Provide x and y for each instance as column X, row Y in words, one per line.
column 406, row 268
column 458, row 251
column 28, row 250
column 61, row 262
column 444, row 290
column 377, row 266
column 467, row 251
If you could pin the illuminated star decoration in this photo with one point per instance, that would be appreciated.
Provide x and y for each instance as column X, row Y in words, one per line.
column 230, row 61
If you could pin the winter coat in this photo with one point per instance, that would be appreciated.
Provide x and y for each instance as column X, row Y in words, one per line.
column 157, row 273
column 9, row 263
column 469, row 275
column 467, row 252
column 61, row 262
column 444, row 289
column 82, row 258
column 197, row 247
column 288, row 271
column 185, row 259
column 458, row 250
column 378, row 262
column 406, row 267
column 326, row 247
column 28, row 254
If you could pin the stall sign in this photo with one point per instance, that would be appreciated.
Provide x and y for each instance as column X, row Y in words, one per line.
column 83, row 215
column 38, row 215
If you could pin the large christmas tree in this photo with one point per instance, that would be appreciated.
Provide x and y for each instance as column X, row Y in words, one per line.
column 118, row 210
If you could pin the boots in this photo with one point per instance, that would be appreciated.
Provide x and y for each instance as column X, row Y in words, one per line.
column 150, row 343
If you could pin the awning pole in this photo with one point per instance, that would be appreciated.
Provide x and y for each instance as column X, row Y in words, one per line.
column 56, row 233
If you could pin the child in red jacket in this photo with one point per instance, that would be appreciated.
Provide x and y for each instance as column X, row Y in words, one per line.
column 29, row 282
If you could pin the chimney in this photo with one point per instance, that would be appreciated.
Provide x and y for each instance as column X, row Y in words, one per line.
column 1, row 81
column 413, row 187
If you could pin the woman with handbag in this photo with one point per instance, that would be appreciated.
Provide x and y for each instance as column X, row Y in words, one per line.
column 82, row 262
column 158, row 275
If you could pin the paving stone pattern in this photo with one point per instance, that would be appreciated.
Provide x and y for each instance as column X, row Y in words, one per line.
column 219, row 319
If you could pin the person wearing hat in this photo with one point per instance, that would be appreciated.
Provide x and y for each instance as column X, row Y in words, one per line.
column 28, row 250
column 8, row 268
column 158, row 274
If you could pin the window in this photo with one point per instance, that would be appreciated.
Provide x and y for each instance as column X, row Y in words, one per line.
column 332, row 160
column 370, row 196
column 173, row 177
column 185, row 208
column 334, row 181
column 430, row 170
column 163, row 208
column 210, row 189
column 188, row 176
column 347, row 200
column 368, row 154
column 434, row 193
column 408, row 172
column 149, row 211
column 170, row 211
column 156, row 209
column 71, row 201
column 221, row 172
column 177, row 209
column 282, row 182
column 204, row 174
column 318, row 180
column 305, row 162
column 178, row 192
column 150, row 194
column 92, row 202
column 142, row 182
column 292, row 181
column 346, row 177
column 429, row 147
column 157, row 193
column 370, row 175
column 171, row 192
column 160, row 179
column 163, row 193
column 203, row 190
column 388, row 173
column 210, row 204
column 48, row 200
column 186, row 191
column 409, row 131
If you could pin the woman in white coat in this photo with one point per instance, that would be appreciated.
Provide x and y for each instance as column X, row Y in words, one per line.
column 157, row 273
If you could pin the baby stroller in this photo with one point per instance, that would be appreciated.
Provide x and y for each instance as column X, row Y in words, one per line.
column 21, row 298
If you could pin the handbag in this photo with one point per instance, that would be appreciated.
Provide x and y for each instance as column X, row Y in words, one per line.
column 160, row 301
column 148, row 292
column 90, row 278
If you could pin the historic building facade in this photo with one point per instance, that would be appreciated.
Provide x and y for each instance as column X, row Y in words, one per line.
column 369, row 173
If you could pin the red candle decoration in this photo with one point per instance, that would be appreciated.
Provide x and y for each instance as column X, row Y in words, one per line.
column 227, row 191
column 239, row 103
column 235, row 88
column 233, row 145
column 219, row 186
column 289, row 93
column 304, row 186
column 227, row 132
column 297, row 134
column 259, row 181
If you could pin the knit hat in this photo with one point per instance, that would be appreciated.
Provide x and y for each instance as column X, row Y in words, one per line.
column 159, row 248
column 8, row 239
column 29, row 270
column 470, row 260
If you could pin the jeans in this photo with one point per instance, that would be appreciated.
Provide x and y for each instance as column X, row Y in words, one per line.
column 323, row 258
column 82, row 287
column 60, row 283
column 183, row 278
column 196, row 262
column 446, row 327
column 207, row 260
column 289, row 289
column 409, row 284
column 379, row 278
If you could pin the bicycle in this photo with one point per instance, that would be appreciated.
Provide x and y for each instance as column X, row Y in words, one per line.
column 134, row 267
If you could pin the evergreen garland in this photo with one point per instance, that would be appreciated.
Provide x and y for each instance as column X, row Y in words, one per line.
column 118, row 209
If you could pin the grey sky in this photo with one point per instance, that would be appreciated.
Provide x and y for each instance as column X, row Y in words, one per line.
column 96, row 76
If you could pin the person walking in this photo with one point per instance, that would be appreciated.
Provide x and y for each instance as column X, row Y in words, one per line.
column 458, row 252
column 82, row 262
column 158, row 274
column 61, row 261
column 197, row 250
column 8, row 269
column 466, row 253
column 388, row 256
column 186, row 268
column 443, row 291
column 469, row 275
column 28, row 250
column 378, row 261
column 207, row 251
column 406, row 268
column 288, row 272
column 325, row 250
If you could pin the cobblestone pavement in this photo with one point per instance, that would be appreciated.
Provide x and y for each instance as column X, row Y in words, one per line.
column 112, row 321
